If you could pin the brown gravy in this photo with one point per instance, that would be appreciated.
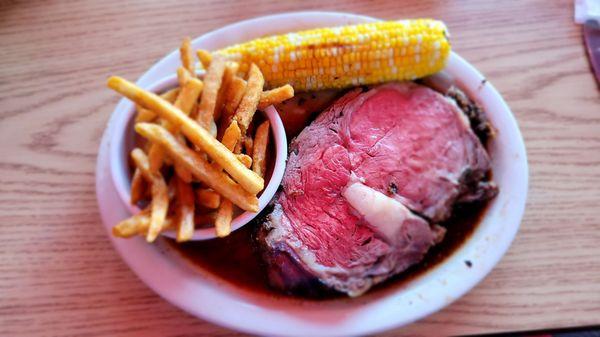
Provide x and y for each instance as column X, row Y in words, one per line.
column 235, row 259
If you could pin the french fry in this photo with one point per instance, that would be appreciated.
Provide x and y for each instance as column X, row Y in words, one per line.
column 144, row 115
column 261, row 140
column 155, row 157
column 200, row 168
column 223, row 219
column 238, row 147
column 246, row 178
column 183, row 76
column 187, row 56
column 208, row 198
column 137, row 225
column 185, row 210
column 244, row 159
column 231, row 135
column 205, row 57
column 212, row 83
column 170, row 95
column 249, row 102
column 189, row 95
column 231, row 138
column 132, row 226
column 160, row 197
column 228, row 75
column 147, row 115
column 249, row 145
column 235, row 92
column 183, row 173
column 138, row 187
column 185, row 101
column 275, row 96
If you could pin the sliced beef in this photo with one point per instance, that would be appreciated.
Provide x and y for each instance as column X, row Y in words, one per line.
column 405, row 150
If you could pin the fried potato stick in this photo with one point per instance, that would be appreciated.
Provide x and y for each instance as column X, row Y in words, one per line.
column 246, row 178
column 138, row 187
column 185, row 210
column 261, row 140
column 160, row 195
column 224, row 214
column 187, row 56
column 233, row 96
column 223, row 219
column 230, row 70
column 185, row 101
column 235, row 92
column 212, row 83
column 275, row 96
column 170, row 95
column 205, row 57
column 144, row 115
column 249, row 103
column 137, row 225
column 147, row 115
column 231, row 135
column 245, row 159
column 200, row 168
column 183, row 76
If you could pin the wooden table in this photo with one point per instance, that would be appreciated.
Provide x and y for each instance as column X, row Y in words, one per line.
column 58, row 272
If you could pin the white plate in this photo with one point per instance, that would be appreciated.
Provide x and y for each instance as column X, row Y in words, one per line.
column 211, row 299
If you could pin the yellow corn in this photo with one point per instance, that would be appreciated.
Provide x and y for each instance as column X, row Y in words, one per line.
column 347, row 56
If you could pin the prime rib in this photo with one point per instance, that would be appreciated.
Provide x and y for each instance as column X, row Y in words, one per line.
column 366, row 185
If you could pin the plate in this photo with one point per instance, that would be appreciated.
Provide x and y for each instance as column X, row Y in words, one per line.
column 211, row 299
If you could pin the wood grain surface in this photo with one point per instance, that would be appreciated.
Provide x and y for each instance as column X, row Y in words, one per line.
column 59, row 274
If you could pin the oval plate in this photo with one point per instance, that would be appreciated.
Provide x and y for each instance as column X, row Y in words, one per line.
column 200, row 294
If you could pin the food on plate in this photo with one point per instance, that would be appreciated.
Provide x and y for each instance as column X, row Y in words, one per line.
column 259, row 149
column 204, row 57
column 185, row 209
column 194, row 132
column 208, row 103
column 183, row 148
column 275, row 96
column 208, row 198
column 137, row 225
column 366, row 185
column 187, row 56
column 386, row 164
column 160, row 199
column 251, row 99
column 347, row 56
column 185, row 101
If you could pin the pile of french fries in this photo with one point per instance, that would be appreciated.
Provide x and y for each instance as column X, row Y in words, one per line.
column 201, row 158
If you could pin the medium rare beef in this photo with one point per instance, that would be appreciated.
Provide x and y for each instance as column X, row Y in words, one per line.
column 365, row 185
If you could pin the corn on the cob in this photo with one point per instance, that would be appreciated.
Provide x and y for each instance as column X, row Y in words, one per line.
column 347, row 56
